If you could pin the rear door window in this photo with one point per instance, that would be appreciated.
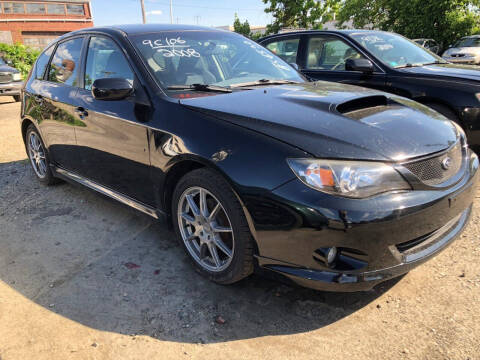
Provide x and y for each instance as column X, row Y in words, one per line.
column 65, row 62
column 286, row 49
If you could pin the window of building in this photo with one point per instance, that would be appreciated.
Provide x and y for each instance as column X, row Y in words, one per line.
column 105, row 60
column 35, row 8
column 13, row 8
column 64, row 65
column 56, row 9
column 75, row 9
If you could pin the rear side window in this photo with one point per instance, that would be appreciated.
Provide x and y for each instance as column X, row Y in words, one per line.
column 286, row 49
column 42, row 63
column 65, row 62
column 105, row 60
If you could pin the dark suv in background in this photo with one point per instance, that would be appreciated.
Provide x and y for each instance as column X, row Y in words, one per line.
column 10, row 80
column 387, row 62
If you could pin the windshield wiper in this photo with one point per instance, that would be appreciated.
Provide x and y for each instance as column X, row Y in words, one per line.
column 200, row 87
column 263, row 82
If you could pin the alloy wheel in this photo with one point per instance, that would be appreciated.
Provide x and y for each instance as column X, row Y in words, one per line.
column 36, row 153
column 206, row 229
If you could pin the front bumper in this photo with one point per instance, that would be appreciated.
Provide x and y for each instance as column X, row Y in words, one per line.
column 11, row 88
column 377, row 239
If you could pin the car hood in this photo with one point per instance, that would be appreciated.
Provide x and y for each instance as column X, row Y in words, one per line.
column 467, row 72
column 6, row 68
column 462, row 50
column 334, row 120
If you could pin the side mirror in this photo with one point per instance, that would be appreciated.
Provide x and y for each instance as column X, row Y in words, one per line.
column 111, row 89
column 363, row 65
column 9, row 62
column 295, row 66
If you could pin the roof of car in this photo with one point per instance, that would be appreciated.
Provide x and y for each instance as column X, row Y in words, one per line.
column 347, row 32
column 132, row 29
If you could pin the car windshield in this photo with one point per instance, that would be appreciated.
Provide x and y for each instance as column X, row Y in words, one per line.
column 468, row 42
column 395, row 50
column 214, row 58
column 2, row 62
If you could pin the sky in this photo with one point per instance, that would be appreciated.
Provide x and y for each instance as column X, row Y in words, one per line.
column 202, row 12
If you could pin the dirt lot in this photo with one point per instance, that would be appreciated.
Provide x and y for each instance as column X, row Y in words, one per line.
column 82, row 277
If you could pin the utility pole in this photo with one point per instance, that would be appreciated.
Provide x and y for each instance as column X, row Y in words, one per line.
column 143, row 12
column 171, row 11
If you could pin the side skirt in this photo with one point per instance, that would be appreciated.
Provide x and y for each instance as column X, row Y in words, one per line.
column 69, row 176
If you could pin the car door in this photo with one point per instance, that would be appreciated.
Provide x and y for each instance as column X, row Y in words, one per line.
column 56, row 97
column 325, row 56
column 113, row 139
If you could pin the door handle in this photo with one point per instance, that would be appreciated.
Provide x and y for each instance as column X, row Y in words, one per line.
column 81, row 111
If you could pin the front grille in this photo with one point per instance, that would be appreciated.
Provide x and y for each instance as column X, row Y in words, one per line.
column 432, row 171
column 5, row 77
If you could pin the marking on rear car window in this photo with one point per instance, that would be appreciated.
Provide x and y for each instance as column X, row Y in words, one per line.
column 172, row 47
column 265, row 53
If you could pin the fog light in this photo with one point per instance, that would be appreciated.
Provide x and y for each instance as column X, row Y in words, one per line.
column 331, row 255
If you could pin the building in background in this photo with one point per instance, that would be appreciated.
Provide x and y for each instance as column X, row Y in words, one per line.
column 36, row 23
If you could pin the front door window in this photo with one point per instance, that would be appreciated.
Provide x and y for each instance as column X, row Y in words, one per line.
column 329, row 53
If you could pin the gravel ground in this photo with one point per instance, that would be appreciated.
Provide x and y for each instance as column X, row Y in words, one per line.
column 82, row 277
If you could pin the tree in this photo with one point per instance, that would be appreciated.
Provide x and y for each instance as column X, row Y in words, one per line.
column 21, row 56
column 306, row 14
column 442, row 20
column 241, row 28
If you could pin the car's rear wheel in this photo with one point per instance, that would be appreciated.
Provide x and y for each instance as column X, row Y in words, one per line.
column 211, row 226
column 38, row 156
column 17, row 98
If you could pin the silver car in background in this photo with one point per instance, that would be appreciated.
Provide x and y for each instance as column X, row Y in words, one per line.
column 465, row 51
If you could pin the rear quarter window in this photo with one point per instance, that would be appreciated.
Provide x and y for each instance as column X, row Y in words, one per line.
column 42, row 63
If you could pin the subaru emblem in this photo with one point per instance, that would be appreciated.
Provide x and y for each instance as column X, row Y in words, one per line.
column 446, row 163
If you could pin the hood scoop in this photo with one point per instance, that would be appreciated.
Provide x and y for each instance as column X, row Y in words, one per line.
column 360, row 108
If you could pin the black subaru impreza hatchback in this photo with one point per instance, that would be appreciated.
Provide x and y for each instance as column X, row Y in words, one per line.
column 331, row 186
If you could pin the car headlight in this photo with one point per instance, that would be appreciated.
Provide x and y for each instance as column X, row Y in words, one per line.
column 353, row 179
column 17, row 77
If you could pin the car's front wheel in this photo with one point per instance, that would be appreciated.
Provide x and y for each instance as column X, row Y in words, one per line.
column 38, row 156
column 211, row 226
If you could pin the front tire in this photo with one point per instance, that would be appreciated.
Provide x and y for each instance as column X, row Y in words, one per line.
column 38, row 156
column 17, row 98
column 211, row 226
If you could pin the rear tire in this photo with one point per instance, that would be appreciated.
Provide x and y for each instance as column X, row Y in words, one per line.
column 196, row 227
column 38, row 156
column 17, row 98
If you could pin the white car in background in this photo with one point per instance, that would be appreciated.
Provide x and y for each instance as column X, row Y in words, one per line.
column 465, row 51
